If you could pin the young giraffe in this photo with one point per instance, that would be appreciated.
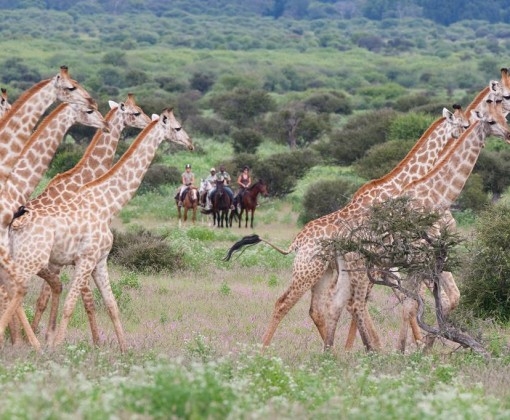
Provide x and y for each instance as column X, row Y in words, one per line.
column 436, row 191
column 96, row 161
column 34, row 160
column 18, row 123
column 15, row 129
column 308, row 267
column 77, row 231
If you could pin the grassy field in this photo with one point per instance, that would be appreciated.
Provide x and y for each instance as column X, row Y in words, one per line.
column 194, row 346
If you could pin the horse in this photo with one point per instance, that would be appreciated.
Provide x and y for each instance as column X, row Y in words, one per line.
column 189, row 202
column 221, row 206
column 247, row 200
column 205, row 187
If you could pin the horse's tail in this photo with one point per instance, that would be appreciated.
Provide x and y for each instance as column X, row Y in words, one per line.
column 251, row 240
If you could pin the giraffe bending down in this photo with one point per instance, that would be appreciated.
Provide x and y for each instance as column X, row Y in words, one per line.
column 96, row 161
column 18, row 123
column 309, row 268
column 35, row 159
column 77, row 231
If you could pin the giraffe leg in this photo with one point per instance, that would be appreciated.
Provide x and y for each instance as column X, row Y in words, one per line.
column 90, row 308
column 52, row 280
column 41, row 304
column 305, row 274
column 319, row 302
column 81, row 273
column 101, row 278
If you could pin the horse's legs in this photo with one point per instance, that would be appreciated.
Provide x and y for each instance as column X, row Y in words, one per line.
column 252, row 212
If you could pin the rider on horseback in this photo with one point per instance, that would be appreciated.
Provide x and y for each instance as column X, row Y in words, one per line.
column 243, row 181
column 211, row 179
column 222, row 176
column 188, row 178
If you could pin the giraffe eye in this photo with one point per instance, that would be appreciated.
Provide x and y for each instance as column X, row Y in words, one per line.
column 137, row 114
column 178, row 129
column 491, row 122
column 71, row 88
column 90, row 111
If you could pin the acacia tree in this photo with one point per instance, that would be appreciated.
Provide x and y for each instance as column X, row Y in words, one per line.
column 396, row 234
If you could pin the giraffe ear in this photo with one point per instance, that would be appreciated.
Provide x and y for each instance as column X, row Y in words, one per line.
column 447, row 114
column 113, row 104
column 155, row 117
column 494, row 86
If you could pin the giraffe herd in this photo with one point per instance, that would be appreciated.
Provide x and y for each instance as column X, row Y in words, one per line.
column 433, row 174
column 68, row 224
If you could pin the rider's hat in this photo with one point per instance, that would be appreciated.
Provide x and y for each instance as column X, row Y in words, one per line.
column 213, row 170
column 188, row 166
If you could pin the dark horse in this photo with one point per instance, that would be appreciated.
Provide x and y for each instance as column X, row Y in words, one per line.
column 247, row 200
column 190, row 202
column 221, row 206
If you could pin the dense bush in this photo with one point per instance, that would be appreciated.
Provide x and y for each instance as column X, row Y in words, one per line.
column 358, row 135
column 67, row 156
column 158, row 175
column 382, row 158
column 329, row 102
column 145, row 252
column 324, row 197
column 246, row 140
column 409, row 126
column 494, row 168
column 485, row 288
column 282, row 171
column 473, row 196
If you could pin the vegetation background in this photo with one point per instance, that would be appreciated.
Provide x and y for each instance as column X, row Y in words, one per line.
column 317, row 97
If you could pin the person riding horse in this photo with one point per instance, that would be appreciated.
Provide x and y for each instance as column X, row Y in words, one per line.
column 188, row 179
column 207, row 185
column 243, row 181
column 224, row 177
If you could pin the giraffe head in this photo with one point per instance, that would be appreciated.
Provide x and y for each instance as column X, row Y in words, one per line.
column 505, row 90
column 4, row 103
column 173, row 129
column 457, row 121
column 492, row 114
column 69, row 90
column 90, row 116
column 132, row 114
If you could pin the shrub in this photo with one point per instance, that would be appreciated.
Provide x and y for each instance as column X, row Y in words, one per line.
column 324, row 197
column 359, row 134
column 158, row 175
column 67, row 156
column 485, row 289
column 473, row 196
column 246, row 140
column 382, row 158
column 211, row 127
column 330, row 102
column 409, row 126
column 143, row 251
column 494, row 168
column 281, row 171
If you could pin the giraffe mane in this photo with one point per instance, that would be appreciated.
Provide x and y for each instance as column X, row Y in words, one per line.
column 127, row 154
column 44, row 123
column 478, row 99
column 375, row 182
column 22, row 100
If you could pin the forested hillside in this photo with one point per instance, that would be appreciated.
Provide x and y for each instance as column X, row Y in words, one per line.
column 439, row 11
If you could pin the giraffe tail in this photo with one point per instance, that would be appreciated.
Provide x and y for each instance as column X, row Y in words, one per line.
column 251, row 240
column 246, row 241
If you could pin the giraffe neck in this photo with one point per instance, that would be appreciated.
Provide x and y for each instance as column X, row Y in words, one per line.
column 95, row 162
column 17, row 125
column 114, row 189
column 442, row 186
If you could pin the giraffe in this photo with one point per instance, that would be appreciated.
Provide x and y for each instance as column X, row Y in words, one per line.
column 35, row 158
column 435, row 191
column 96, row 161
column 308, row 267
column 17, row 124
column 77, row 231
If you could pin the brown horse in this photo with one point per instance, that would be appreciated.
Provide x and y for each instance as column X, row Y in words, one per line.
column 248, row 200
column 221, row 206
column 190, row 202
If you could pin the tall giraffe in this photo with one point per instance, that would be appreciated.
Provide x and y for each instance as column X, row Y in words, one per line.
column 96, row 161
column 308, row 267
column 18, row 123
column 435, row 191
column 77, row 231
column 35, row 158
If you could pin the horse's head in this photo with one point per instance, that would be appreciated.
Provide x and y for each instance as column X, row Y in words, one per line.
column 263, row 188
column 193, row 194
column 205, row 186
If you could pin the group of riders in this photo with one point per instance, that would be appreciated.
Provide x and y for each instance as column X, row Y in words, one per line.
column 188, row 181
